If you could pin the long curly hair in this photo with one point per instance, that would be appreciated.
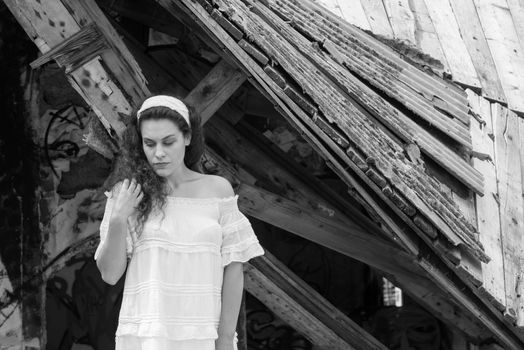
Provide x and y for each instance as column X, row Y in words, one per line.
column 131, row 162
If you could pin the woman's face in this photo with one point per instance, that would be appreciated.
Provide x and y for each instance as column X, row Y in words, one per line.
column 164, row 145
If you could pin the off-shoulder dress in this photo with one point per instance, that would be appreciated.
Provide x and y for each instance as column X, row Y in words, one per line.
column 173, row 283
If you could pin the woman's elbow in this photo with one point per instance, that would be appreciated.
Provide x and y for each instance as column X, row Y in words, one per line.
column 109, row 277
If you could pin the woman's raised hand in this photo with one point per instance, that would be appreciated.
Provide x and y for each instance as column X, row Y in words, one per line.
column 127, row 198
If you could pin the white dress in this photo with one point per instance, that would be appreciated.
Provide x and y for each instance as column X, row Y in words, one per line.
column 172, row 290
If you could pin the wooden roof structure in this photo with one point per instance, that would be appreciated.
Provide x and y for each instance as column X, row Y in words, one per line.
column 437, row 169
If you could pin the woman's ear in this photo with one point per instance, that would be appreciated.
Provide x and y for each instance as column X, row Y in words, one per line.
column 187, row 140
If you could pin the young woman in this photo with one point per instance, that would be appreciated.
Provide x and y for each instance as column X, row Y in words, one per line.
column 182, row 233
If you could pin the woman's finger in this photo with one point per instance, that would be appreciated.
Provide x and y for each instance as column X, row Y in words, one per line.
column 138, row 189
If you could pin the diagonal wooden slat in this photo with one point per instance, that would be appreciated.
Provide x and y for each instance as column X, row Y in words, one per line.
column 215, row 89
column 290, row 298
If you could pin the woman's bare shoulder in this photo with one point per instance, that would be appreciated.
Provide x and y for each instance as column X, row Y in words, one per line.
column 219, row 186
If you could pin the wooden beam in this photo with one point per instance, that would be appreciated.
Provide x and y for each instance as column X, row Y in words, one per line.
column 215, row 89
column 291, row 299
column 49, row 24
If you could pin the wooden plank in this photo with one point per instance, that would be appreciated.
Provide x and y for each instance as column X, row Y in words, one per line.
column 349, row 239
column 454, row 48
column 425, row 35
column 351, row 11
column 402, row 20
column 475, row 41
column 507, row 161
column 291, row 286
column 516, row 8
column 215, row 89
column 487, row 207
column 505, row 48
column 47, row 23
column 377, row 18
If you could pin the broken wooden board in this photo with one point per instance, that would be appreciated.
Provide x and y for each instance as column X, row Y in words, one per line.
column 503, row 42
column 487, row 206
column 475, row 41
column 454, row 48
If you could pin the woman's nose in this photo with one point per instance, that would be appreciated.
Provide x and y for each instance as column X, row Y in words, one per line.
column 159, row 152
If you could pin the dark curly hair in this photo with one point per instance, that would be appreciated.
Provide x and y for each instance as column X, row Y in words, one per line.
column 131, row 162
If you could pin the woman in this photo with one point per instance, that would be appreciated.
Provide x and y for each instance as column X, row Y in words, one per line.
column 182, row 233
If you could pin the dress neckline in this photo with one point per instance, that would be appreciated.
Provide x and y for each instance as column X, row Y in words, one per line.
column 203, row 200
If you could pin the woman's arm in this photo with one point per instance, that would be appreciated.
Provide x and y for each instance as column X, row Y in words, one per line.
column 112, row 259
column 232, row 288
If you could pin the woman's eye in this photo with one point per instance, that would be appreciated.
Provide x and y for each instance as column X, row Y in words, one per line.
column 169, row 143
column 149, row 144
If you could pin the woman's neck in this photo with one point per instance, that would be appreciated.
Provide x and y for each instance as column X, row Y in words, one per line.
column 179, row 177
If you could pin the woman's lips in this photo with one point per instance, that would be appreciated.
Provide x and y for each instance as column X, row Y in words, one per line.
column 160, row 165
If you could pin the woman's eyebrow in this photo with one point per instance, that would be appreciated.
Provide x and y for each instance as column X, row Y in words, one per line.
column 168, row 136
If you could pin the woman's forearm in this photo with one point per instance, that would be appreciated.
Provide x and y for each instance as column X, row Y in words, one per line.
column 112, row 259
column 232, row 288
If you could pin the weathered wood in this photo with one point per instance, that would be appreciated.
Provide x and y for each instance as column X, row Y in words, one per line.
column 56, row 21
column 507, row 162
column 499, row 29
column 402, row 20
column 374, row 60
column 420, row 189
column 75, row 50
column 216, row 88
column 516, row 8
column 351, row 11
column 377, row 18
column 401, row 125
column 454, row 48
column 349, row 239
column 487, row 207
column 291, row 311
column 392, row 80
column 266, row 86
column 291, row 287
column 475, row 41
column 425, row 35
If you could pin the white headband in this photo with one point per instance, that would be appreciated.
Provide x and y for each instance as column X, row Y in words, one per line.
column 165, row 101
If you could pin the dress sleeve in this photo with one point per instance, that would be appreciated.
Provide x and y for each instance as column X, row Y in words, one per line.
column 239, row 242
column 104, row 226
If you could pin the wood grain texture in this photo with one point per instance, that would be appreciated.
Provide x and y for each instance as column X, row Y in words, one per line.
column 503, row 42
column 478, row 49
column 425, row 35
column 402, row 20
column 351, row 11
column 507, row 160
column 487, row 207
column 454, row 48
column 377, row 18
column 215, row 89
